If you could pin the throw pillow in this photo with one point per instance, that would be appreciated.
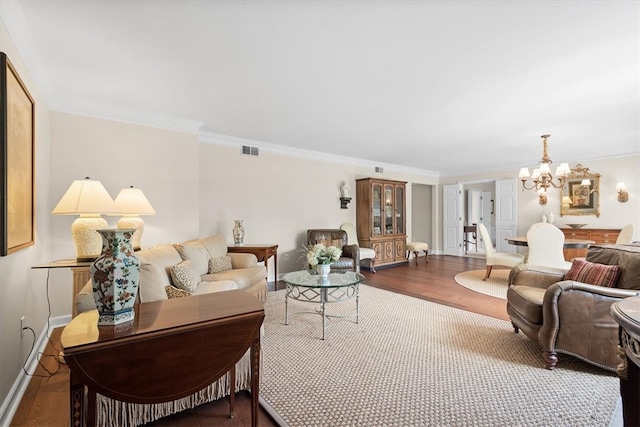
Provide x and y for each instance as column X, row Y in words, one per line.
column 185, row 276
column 219, row 264
column 593, row 274
column 173, row 292
column 197, row 254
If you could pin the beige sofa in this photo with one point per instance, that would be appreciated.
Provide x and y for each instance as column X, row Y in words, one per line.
column 156, row 265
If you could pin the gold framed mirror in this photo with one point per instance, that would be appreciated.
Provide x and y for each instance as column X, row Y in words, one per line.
column 581, row 193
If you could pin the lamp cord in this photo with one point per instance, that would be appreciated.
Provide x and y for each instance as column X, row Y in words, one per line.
column 40, row 355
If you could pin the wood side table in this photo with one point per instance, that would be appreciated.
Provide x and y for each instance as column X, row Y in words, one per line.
column 262, row 251
column 627, row 314
column 81, row 275
column 172, row 348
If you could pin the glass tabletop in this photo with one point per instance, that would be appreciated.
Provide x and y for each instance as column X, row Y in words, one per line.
column 311, row 279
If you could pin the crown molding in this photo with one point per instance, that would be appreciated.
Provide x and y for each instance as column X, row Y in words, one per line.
column 13, row 18
column 129, row 115
column 233, row 141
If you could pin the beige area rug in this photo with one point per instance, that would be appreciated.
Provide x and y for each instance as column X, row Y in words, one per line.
column 495, row 286
column 410, row 362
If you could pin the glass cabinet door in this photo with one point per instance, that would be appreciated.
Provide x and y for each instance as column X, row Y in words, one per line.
column 399, row 210
column 388, row 209
column 376, row 207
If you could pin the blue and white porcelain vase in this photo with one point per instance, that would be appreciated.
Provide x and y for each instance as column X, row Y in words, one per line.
column 115, row 277
column 238, row 232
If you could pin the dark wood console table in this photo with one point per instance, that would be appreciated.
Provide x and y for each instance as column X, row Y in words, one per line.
column 172, row 349
column 627, row 314
column 262, row 251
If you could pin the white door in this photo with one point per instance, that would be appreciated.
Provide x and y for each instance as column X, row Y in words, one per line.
column 506, row 213
column 452, row 219
column 487, row 213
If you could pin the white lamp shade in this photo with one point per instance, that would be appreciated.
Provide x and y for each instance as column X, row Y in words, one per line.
column 586, row 182
column 566, row 200
column 86, row 196
column 132, row 201
column 524, row 173
column 621, row 187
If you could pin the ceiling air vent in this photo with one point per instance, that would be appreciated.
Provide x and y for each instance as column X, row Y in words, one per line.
column 379, row 169
column 249, row 151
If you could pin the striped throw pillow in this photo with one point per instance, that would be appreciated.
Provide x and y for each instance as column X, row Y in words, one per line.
column 593, row 274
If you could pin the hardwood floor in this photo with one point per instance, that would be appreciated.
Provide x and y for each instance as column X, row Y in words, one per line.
column 46, row 401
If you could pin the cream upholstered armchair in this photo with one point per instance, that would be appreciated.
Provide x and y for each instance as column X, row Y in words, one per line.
column 352, row 238
column 626, row 235
column 496, row 258
column 546, row 242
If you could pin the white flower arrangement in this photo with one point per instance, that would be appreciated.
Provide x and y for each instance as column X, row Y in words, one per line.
column 320, row 254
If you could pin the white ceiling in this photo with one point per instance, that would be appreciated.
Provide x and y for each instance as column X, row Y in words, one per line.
column 445, row 86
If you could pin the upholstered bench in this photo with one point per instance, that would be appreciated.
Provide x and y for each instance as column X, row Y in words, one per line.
column 416, row 247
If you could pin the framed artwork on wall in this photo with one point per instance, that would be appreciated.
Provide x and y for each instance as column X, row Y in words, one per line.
column 17, row 171
column 581, row 193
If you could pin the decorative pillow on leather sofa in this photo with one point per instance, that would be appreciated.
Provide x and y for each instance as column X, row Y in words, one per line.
column 219, row 264
column 185, row 276
column 593, row 274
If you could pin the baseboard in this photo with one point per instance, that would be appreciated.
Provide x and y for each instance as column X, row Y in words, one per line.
column 10, row 405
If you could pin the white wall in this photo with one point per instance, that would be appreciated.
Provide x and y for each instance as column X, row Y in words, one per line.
column 22, row 290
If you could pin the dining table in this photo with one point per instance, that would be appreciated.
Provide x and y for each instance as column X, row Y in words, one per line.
column 568, row 243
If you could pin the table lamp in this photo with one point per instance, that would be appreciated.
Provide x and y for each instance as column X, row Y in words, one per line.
column 132, row 203
column 89, row 199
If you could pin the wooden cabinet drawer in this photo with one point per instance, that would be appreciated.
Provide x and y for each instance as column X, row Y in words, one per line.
column 598, row 235
column 576, row 234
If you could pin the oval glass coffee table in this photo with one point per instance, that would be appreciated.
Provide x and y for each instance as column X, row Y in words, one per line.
column 308, row 286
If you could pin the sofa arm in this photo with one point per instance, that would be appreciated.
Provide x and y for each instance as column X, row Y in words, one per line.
column 84, row 300
column 534, row 276
column 577, row 320
column 242, row 260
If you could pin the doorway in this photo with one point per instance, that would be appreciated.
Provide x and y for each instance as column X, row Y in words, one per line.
column 502, row 222
column 422, row 214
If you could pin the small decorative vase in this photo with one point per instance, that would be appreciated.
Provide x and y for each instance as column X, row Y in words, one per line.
column 238, row 232
column 551, row 218
column 323, row 270
column 115, row 277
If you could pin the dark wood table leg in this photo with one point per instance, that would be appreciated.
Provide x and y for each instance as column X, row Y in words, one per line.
column 275, row 266
column 255, row 381
column 91, row 408
column 76, row 401
column 232, row 391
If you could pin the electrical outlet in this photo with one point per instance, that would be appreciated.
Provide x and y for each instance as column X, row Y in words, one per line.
column 286, row 257
column 22, row 324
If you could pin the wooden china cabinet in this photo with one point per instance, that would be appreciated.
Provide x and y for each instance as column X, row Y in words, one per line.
column 381, row 218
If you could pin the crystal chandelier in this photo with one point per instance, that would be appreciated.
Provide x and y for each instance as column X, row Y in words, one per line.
column 542, row 177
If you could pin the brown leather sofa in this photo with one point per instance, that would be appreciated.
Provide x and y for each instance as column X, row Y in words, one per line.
column 350, row 259
column 570, row 317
